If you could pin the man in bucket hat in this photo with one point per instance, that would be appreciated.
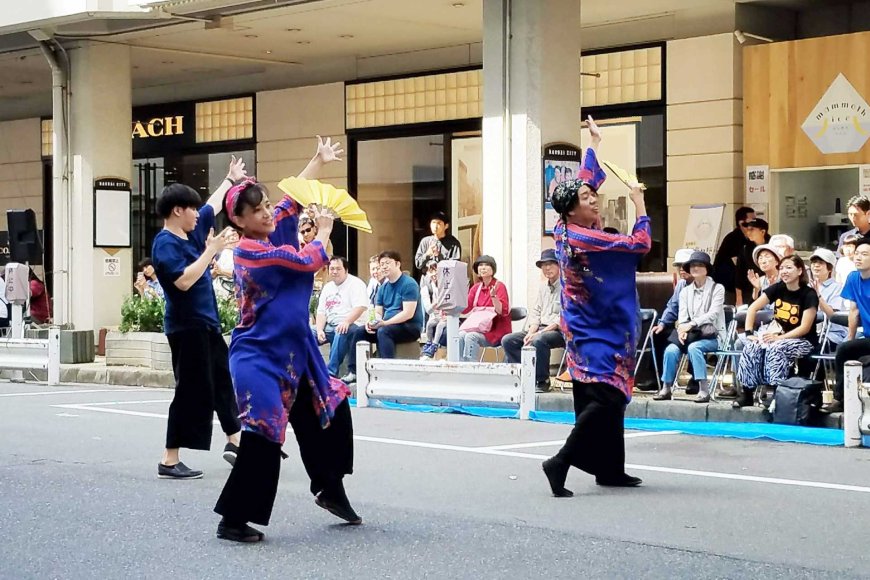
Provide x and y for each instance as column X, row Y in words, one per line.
column 542, row 327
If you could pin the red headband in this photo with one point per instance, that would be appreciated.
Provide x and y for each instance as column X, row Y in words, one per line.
column 233, row 196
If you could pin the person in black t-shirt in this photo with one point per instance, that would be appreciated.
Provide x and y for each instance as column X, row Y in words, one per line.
column 768, row 357
column 756, row 234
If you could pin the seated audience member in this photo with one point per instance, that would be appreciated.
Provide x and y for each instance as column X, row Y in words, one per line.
column 376, row 278
column 40, row 304
column 487, row 296
column 307, row 233
column 857, row 292
column 398, row 314
column 822, row 264
column 768, row 356
column 859, row 214
column 341, row 306
column 436, row 322
column 542, row 327
column 440, row 245
column 845, row 263
column 767, row 259
column 700, row 325
column 784, row 244
column 670, row 314
column 731, row 248
column 756, row 235
column 146, row 283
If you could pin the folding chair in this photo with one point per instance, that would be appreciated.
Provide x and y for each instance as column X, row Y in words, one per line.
column 730, row 337
column 517, row 313
column 648, row 316
column 728, row 352
column 827, row 351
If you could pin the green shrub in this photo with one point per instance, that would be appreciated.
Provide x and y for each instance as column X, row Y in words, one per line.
column 228, row 313
column 141, row 315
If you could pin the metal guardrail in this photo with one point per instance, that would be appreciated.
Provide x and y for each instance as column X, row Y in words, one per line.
column 20, row 354
column 503, row 383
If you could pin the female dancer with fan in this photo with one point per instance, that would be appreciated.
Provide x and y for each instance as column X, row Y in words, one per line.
column 278, row 373
column 599, row 310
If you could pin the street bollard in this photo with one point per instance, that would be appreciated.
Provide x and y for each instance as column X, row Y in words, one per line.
column 54, row 356
column 453, row 353
column 853, row 374
column 527, row 382
column 363, row 354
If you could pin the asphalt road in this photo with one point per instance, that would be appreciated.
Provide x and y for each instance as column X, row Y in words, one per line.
column 442, row 496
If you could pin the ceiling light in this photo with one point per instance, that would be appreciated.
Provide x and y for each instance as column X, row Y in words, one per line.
column 303, row 42
column 166, row 62
column 26, row 83
column 458, row 4
column 251, row 36
column 268, row 51
column 345, row 35
column 294, row 30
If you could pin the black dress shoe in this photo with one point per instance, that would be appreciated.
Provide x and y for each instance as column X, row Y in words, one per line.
column 335, row 502
column 647, row 386
column 238, row 532
column 177, row 471
column 663, row 396
column 744, row 399
column 542, row 387
column 556, row 471
column 834, row 406
column 692, row 389
column 623, row 480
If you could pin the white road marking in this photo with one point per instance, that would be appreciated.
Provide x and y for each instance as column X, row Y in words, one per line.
column 508, row 453
column 561, row 442
column 143, row 402
column 34, row 394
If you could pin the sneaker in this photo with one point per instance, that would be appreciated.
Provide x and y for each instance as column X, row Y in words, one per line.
column 348, row 379
column 231, row 451
column 238, row 532
column 624, row 480
column 428, row 351
column 337, row 504
column 177, row 471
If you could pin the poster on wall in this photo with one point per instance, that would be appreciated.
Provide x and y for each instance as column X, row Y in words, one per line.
column 840, row 121
column 561, row 163
column 757, row 184
column 864, row 180
column 704, row 227
column 619, row 146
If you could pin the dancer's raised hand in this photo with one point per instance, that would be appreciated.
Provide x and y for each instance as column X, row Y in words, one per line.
column 327, row 151
column 594, row 131
column 237, row 169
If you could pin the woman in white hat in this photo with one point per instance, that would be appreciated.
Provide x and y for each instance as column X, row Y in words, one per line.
column 767, row 258
column 822, row 264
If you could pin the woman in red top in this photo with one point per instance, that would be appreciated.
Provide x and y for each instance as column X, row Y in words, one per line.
column 40, row 306
column 487, row 293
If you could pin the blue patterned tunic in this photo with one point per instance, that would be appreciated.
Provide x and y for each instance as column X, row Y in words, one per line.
column 599, row 301
column 272, row 347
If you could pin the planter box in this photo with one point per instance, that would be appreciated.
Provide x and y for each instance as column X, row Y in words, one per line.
column 76, row 346
column 138, row 349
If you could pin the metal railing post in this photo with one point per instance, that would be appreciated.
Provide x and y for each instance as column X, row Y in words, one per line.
column 363, row 354
column 853, row 374
column 527, row 381
column 53, row 356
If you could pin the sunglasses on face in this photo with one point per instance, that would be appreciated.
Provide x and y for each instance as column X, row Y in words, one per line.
column 305, row 231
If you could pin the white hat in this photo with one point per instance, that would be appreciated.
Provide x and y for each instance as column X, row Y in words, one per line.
column 769, row 248
column 682, row 256
column 825, row 255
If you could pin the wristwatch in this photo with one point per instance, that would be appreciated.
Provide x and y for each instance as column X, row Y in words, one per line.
column 750, row 332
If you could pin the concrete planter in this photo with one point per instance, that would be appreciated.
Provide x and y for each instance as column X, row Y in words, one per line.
column 138, row 349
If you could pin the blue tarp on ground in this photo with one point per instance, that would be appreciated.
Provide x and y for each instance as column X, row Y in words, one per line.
column 767, row 431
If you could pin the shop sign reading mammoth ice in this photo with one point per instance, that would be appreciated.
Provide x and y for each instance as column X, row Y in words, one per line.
column 840, row 122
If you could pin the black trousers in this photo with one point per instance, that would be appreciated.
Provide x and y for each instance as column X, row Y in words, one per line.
column 596, row 444
column 203, row 386
column 327, row 454
column 846, row 351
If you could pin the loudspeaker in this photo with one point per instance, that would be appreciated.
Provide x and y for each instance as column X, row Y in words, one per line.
column 24, row 243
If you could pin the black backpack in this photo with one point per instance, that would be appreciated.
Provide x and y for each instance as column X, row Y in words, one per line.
column 797, row 401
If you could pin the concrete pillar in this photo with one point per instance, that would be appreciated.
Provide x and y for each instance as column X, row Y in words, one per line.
column 705, row 129
column 531, row 97
column 101, row 146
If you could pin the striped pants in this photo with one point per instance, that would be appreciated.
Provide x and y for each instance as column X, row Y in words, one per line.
column 768, row 364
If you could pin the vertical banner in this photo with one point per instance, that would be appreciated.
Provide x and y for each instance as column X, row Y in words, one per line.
column 757, row 184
